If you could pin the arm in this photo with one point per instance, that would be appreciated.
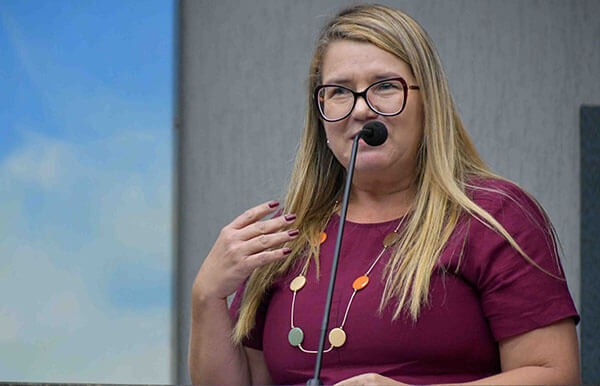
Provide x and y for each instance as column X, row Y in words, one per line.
column 241, row 247
column 212, row 356
column 260, row 373
column 545, row 356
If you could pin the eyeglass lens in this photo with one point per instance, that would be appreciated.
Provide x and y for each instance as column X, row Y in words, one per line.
column 387, row 98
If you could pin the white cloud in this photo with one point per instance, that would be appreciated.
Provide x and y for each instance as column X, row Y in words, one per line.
column 74, row 209
column 9, row 325
column 42, row 297
column 57, row 321
column 42, row 162
column 61, row 310
column 133, row 217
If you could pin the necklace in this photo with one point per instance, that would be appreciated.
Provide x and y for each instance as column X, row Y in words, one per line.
column 337, row 336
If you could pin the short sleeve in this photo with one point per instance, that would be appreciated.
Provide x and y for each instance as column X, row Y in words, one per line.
column 516, row 295
column 255, row 338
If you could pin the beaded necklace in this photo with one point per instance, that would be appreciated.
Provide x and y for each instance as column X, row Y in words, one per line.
column 337, row 336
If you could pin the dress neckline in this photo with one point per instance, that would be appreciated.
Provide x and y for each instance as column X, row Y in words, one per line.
column 370, row 225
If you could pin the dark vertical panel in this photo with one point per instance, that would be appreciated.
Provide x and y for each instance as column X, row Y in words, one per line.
column 590, row 243
column 179, row 371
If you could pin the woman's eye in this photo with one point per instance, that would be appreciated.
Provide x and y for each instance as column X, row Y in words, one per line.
column 339, row 91
column 387, row 86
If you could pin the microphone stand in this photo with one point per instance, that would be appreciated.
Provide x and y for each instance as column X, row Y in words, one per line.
column 315, row 381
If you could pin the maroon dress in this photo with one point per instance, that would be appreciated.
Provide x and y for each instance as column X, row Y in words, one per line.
column 494, row 295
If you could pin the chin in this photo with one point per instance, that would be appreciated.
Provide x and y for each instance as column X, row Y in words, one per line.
column 372, row 167
column 371, row 162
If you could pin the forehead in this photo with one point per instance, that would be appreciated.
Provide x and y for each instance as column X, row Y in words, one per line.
column 348, row 61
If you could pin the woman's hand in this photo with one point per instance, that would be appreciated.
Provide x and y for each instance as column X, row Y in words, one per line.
column 241, row 247
column 369, row 379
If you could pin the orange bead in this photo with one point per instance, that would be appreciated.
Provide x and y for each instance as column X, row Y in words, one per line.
column 360, row 283
column 323, row 237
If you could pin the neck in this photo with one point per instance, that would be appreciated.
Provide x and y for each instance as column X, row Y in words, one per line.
column 375, row 200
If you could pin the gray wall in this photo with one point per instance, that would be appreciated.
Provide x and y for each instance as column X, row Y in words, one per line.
column 518, row 70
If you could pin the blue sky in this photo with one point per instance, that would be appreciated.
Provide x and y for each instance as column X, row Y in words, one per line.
column 85, row 190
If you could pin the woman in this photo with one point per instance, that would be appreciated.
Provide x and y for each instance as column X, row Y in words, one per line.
column 448, row 273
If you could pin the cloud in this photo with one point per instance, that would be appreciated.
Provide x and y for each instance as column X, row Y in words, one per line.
column 41, row 162
column 133, row 219
column 57, row 305
column 9, row 325
column 85, row 303
column 42, row 297
column 52, row 330
column 85, row 198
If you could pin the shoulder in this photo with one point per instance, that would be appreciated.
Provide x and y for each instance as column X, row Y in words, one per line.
column 507, row 202
column 522, row 236
column 495, row 191
column 510, row 276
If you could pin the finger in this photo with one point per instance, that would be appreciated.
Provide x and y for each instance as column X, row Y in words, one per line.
column 267, row 226
column 252, row 215
column 266, row 257
column 263, row 242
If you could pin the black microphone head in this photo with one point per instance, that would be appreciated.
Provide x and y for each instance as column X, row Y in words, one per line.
column 374, row 133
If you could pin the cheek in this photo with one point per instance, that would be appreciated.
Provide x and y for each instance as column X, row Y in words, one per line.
column 407, row 132
column 415, row 121
column 332, row 129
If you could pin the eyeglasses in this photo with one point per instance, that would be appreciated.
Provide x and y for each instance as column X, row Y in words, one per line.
column 385, row 97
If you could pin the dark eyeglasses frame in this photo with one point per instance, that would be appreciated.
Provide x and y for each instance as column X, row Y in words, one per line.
column 363, row 94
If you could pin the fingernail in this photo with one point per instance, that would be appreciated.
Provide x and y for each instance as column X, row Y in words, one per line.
column 287, row 251
column 293, row 232
column 290, row 217
column 273, row 204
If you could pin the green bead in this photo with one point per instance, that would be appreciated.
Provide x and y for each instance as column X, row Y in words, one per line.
column 296, row 336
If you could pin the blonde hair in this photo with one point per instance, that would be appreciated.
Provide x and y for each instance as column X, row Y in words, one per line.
column 446, row 161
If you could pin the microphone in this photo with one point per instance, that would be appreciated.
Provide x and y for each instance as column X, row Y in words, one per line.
column 374, row 133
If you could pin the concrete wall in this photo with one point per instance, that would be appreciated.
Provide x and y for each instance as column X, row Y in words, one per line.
column 518, row 71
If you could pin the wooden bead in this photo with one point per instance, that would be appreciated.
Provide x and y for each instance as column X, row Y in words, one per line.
column 337, row 337
column 323, row 237
column 391, row 239
column 360, row 283
column 297, row 283
column 296, row 336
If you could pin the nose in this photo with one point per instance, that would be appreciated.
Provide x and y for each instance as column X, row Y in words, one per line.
column 362, row 111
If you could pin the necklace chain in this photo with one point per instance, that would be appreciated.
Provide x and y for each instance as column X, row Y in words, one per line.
column 337, row 336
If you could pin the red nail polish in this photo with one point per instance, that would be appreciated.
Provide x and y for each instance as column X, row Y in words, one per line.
column 287, row 251
column 293, row 232
column 290, row 217
column 273, row 204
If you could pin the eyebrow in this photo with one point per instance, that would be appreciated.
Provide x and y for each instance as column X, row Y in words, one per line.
column 387, row 75
column 373, row 79
column 343, row 81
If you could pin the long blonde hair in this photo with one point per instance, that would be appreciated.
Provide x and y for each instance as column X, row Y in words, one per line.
column 447, row 160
